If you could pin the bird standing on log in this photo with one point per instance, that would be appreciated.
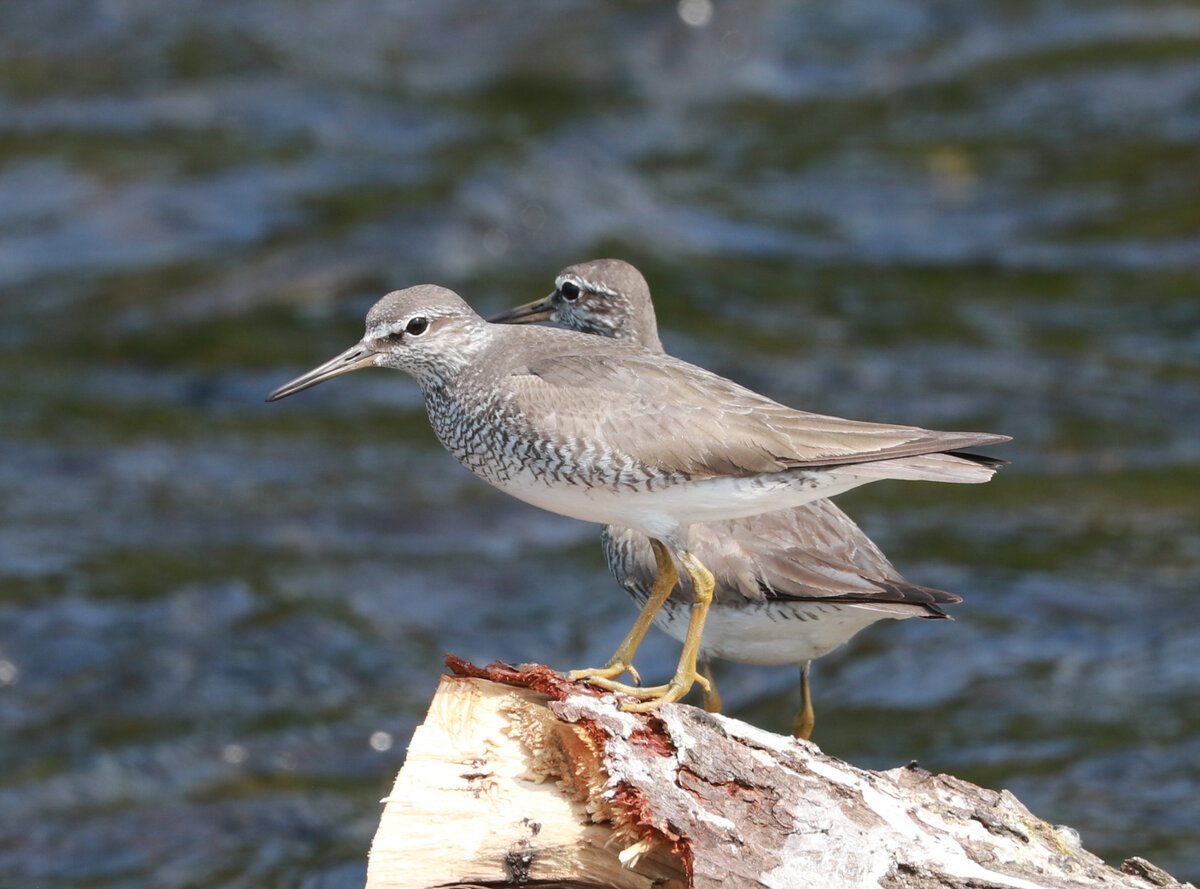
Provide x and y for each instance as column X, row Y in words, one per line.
column 611, row 432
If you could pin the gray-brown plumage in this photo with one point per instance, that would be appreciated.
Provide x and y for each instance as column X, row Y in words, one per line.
column 790, row 585
column 610, row 432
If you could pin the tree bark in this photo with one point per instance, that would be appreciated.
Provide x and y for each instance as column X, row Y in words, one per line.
column 519, row 777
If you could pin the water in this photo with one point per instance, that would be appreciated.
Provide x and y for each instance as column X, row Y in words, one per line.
column 220, row 620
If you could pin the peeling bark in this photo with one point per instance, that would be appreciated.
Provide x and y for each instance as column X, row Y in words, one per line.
column 519, row 777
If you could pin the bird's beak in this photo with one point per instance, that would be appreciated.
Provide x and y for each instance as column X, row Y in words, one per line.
column 352, row 359
column 538, row 310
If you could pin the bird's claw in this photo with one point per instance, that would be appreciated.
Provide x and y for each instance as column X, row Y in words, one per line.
column 652, row 696
column 607, row 673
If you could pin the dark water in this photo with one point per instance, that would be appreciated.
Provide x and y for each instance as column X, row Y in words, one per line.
column 220, row 620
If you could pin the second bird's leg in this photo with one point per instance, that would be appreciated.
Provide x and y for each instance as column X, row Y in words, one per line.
column 666, row 576
column 712, row 697
column 802, row 725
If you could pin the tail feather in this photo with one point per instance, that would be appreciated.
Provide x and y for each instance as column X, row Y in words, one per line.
column 952, row 466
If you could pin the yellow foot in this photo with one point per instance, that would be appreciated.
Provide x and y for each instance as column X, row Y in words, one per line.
column 650, row 697
column 802, row 725
column 607, row 673
column 686, row 674
column 666, row 694
column 622, row 660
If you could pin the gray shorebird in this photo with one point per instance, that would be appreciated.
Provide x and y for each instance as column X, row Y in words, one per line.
column 791, row 585
column 610, row 432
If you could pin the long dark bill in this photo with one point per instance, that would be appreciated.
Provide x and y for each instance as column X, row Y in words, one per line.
column 538, row 310
column 354, row 358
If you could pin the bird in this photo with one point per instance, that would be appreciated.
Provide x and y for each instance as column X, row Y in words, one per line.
column 610, row 432
column 791, row 585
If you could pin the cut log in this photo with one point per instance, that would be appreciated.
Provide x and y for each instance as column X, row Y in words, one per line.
column 521, row 777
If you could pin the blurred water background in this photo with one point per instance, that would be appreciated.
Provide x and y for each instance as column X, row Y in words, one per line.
column 220, row 620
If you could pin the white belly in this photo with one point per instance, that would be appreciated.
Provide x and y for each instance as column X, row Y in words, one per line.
column 660, row 513
column 773, row 633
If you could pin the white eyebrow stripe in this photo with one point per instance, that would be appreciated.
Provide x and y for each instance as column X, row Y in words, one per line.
column 584, row 284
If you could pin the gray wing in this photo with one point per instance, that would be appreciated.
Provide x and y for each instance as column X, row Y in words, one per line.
column 682, row 418
column 812, row 552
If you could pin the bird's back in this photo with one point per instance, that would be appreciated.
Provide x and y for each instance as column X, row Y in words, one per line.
column 610, row 402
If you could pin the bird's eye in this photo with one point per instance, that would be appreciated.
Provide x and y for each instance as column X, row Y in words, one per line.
column 417, row 326
column 569, row 291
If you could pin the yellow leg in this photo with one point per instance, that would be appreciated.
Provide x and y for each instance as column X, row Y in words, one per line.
column 685, row 674
column 802, row 725
column 712, row 697
column 665, row 578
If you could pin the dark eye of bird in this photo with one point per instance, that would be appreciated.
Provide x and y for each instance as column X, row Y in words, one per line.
column 569, row 291
column 417, row 326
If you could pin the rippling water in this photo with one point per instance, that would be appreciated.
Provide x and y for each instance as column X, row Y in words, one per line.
column 220, row 620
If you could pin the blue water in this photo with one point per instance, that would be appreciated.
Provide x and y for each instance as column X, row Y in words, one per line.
column 220, row 619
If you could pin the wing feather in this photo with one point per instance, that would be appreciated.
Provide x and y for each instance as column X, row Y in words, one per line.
column 681, row 418
column 813, row 552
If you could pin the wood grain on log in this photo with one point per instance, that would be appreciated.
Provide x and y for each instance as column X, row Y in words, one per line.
column 520, row 777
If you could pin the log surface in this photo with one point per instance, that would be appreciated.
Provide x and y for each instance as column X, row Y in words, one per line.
column 520, row 777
